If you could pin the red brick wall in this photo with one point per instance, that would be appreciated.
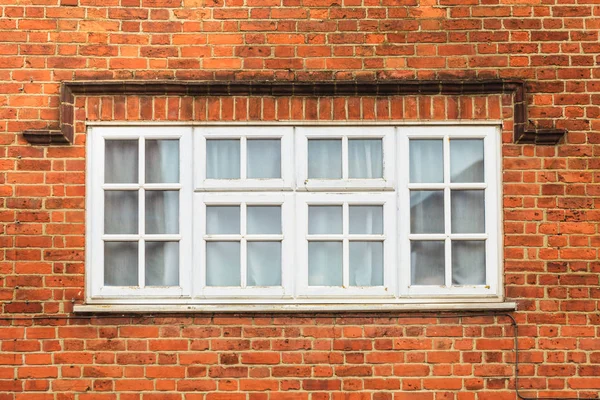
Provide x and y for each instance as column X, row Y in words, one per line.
column 551, row 196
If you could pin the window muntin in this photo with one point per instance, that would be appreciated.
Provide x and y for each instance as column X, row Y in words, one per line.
column 445, row 205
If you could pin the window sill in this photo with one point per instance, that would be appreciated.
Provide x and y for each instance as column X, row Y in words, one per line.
column 287, row 308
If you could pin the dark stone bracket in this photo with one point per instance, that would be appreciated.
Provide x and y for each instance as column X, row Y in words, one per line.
column 523, row 133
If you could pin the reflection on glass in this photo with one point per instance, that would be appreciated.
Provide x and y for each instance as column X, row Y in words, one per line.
column 121, row 161
column 466, row 160
column 426, row 161
column 223, row 159
column 264, row 220
column 162, row 211
column 222, row 220
column 223, row 264
column 264, row 264
column 366, row 263
column 120, row 263
column 264, row 158
column 427, row 211
column 468, row 262
column 366, row 220
column 324, row 220
column 121, row 211
column 162, row 264
column 325, row 264
column 427, row 262
column 365, row 159
column 468, row 211
column 325, row 158
column 162, row 161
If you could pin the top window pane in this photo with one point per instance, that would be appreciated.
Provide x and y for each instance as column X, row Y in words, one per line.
column 466, row 160
column 121, row 161
column 365, row 159
column 426, row 161
column 324, row 158
column 264, row 158
column 223, row 159
column 162, row 161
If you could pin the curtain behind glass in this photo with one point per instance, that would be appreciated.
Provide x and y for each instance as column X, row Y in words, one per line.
column 365, row 159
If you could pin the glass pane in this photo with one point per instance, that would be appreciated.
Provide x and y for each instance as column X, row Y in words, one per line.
column 324, row 220
column 223, row 264
column 366, row 263
column 264, row 158
column 222, row 220
column 427, row 262
column 427, row 211
column 468, row 211
column 365, row 158
column 325, row 158
column 162, row 264
column 162, row 161
column 264, row 220
column 466, row 160
column 162, row 211
column 366, row 220
column 121, row 211
column 325, row 264
column 264, row 264
column 121, row 161
column 121, row 263
column 426, row 161
column 223, row 159
column 468, row 262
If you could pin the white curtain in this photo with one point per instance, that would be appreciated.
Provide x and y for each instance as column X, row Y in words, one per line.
column 223, row 159
column 366, row 263
column 121, row 263
column 264, row 264
column 223, row 264
column 325, row 264
column 466, row 160
column 264, row 158
column 427, row 211
column 325, row 158
column 468, row 262
column 426, row 161
column 427, row 262
column 365, row 159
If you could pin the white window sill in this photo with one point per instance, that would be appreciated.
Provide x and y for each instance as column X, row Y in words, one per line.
column 285, row 308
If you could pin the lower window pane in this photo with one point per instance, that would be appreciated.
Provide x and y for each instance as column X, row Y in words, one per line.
column 162, row 211
column 223, row 264
column 325, row 264
column 121, row 263
column 366, row 263
column 427, row 262
column 427, row 211
column 162, row 263
column 468, row 262
column 264, row 263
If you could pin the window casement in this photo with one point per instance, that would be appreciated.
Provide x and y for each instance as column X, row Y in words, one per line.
column 284, row 214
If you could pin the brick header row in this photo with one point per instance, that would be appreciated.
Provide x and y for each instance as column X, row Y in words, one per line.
column 523, row 134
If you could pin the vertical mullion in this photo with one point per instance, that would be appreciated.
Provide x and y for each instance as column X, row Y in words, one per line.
column 345, row 246
column 243, row 155
column 344, row 157
column 142, row 214
column 243, row 246
column 447, row 212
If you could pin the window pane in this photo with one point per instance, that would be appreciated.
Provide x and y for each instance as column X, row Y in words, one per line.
column 223, row 159
column 426, row 161
column 162, row 264
column 121, row 211
column 162, row 161
column 365, row 158
column 121, row 263
column 325, row 158
column 325, row 264
column 264, row 219
column 366, row 263
column 468, row 211
column 264, row 264
column 427, row 211
column 468, row 262
column 121, row 161
column 222, row 220
column 366, row 220
column 324, row 220
column 466, row 160
column 162, row 211
column 427, row 262
column 223, row 264
column 264, row 158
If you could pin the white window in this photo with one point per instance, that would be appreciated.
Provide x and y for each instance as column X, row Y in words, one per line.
column 293, row 215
